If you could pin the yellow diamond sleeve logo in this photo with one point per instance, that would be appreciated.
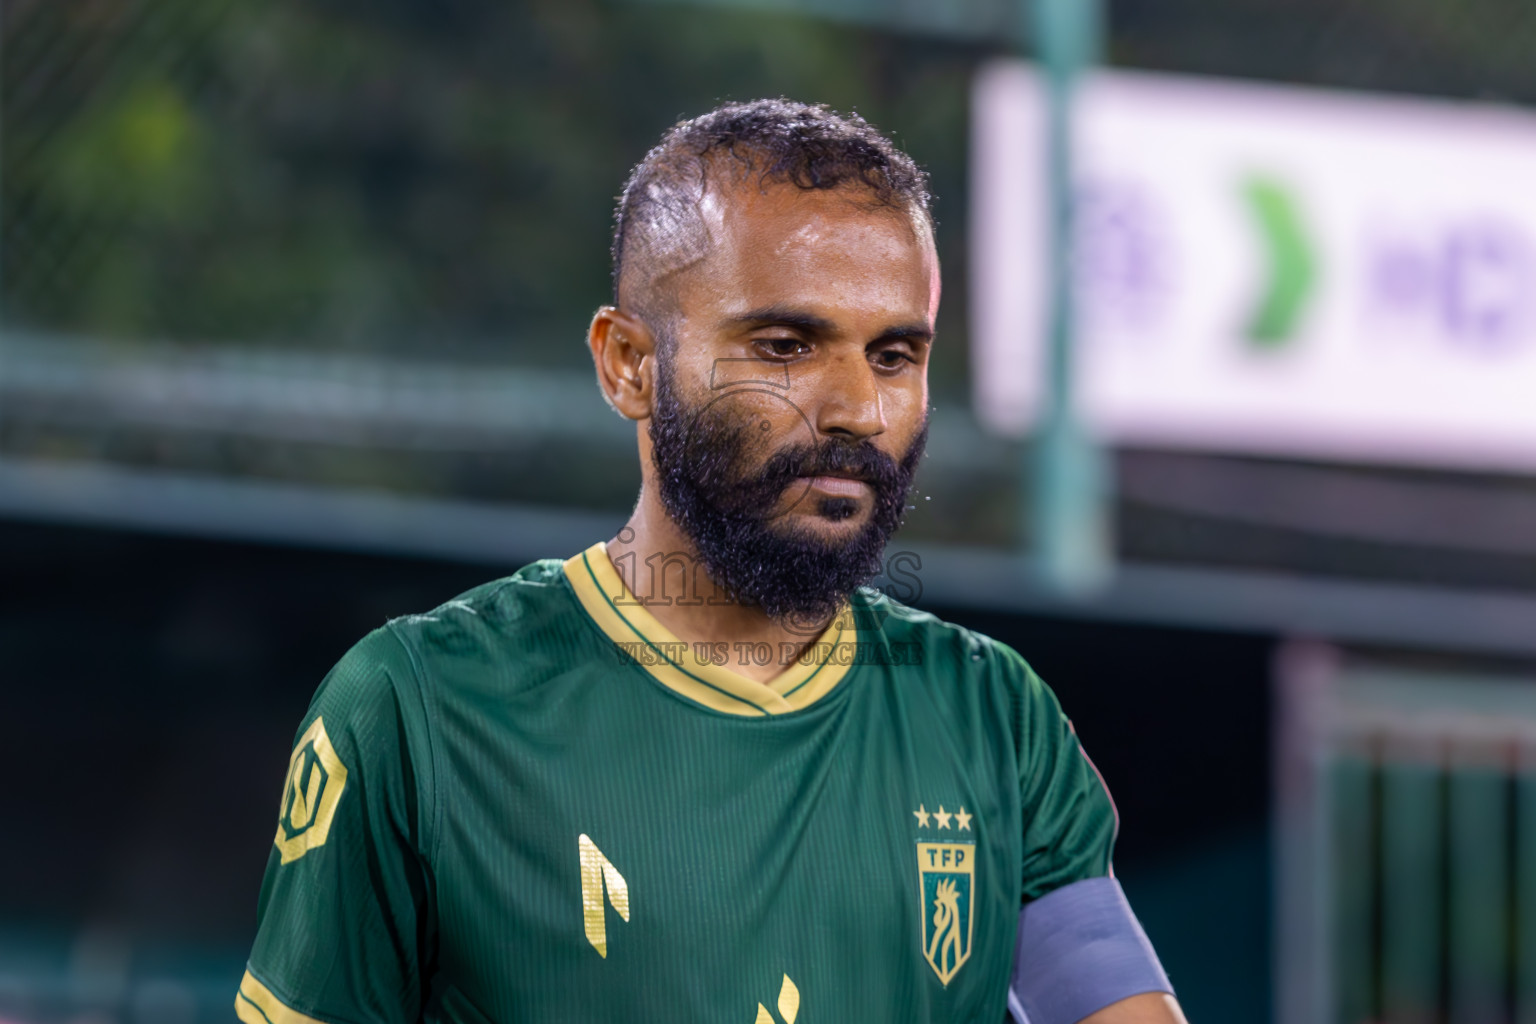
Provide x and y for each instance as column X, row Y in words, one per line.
column 316, row 778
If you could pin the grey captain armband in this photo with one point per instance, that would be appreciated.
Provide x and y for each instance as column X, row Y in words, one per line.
column 1080, row 949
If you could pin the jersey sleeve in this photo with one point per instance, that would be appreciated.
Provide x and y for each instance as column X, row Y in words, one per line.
column 345, row 916
column 1068, row 817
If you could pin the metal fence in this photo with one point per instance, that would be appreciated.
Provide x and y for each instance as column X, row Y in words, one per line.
column 1407, row 828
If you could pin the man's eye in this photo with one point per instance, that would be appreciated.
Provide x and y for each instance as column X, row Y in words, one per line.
column 891, row 358
column 781, row 348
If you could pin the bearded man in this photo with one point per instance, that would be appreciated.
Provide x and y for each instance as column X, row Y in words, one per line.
column 700, row 772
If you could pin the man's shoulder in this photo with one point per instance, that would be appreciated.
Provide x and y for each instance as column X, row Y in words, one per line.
column 524, row 613
column 938, row 644
column 973, row 685
column 529, row 589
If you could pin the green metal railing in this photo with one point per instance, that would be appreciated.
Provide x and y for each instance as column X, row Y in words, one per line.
column 1408, row 847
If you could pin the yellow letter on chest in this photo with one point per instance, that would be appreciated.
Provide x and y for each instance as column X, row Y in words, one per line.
column 596, row 873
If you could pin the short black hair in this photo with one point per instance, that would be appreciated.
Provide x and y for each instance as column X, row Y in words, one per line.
column 807, row 145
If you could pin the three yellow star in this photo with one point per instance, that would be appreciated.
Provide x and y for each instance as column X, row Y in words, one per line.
column 961, row 818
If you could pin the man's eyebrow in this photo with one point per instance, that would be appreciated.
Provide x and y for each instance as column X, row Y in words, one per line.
column 810, row 323
column 907, row 332
column 780, row 316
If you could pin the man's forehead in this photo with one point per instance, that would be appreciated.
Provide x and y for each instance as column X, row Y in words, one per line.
column 781, row 214
column 743, row 242
column 766, row 245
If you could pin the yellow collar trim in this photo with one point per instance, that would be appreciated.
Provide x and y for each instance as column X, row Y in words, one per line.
column 677, row 665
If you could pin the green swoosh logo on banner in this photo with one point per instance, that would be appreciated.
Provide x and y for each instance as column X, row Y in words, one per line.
column 1292, row 265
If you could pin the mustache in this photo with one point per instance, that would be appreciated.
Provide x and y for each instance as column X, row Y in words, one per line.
column 758, row 493
column 860, row 460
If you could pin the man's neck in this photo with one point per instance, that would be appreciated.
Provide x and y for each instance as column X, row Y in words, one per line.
column 661, row 567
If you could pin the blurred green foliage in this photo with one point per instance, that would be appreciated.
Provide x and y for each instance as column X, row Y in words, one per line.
column 437, row 176
column 400, row 175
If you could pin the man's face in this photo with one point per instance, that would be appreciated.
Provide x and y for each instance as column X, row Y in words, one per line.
column 791, row 398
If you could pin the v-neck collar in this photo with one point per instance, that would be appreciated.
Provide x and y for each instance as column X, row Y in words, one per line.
column 679, row 666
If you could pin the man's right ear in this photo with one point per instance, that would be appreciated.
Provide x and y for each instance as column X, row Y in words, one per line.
column 624, row 353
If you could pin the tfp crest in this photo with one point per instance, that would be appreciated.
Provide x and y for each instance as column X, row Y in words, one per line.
column 946, row 874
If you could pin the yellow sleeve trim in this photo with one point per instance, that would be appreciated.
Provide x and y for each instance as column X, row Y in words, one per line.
column 255, row 1004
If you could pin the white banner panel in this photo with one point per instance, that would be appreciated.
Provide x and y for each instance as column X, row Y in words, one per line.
column 1267, row 269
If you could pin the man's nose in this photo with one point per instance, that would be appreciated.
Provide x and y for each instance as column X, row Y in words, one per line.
column 850, row 404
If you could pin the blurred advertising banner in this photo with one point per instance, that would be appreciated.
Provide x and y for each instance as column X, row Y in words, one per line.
column 1266, row 269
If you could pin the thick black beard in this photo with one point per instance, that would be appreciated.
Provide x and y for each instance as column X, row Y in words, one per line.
column 728, row 509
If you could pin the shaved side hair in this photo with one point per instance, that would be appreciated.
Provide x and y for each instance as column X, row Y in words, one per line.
column 658, row 227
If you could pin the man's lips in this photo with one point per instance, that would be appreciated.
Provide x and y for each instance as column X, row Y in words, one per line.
column 836, row 486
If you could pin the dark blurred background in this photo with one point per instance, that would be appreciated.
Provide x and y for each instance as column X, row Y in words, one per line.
column 292, row 307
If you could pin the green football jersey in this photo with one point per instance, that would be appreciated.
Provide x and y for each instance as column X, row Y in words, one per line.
column 535, row 804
